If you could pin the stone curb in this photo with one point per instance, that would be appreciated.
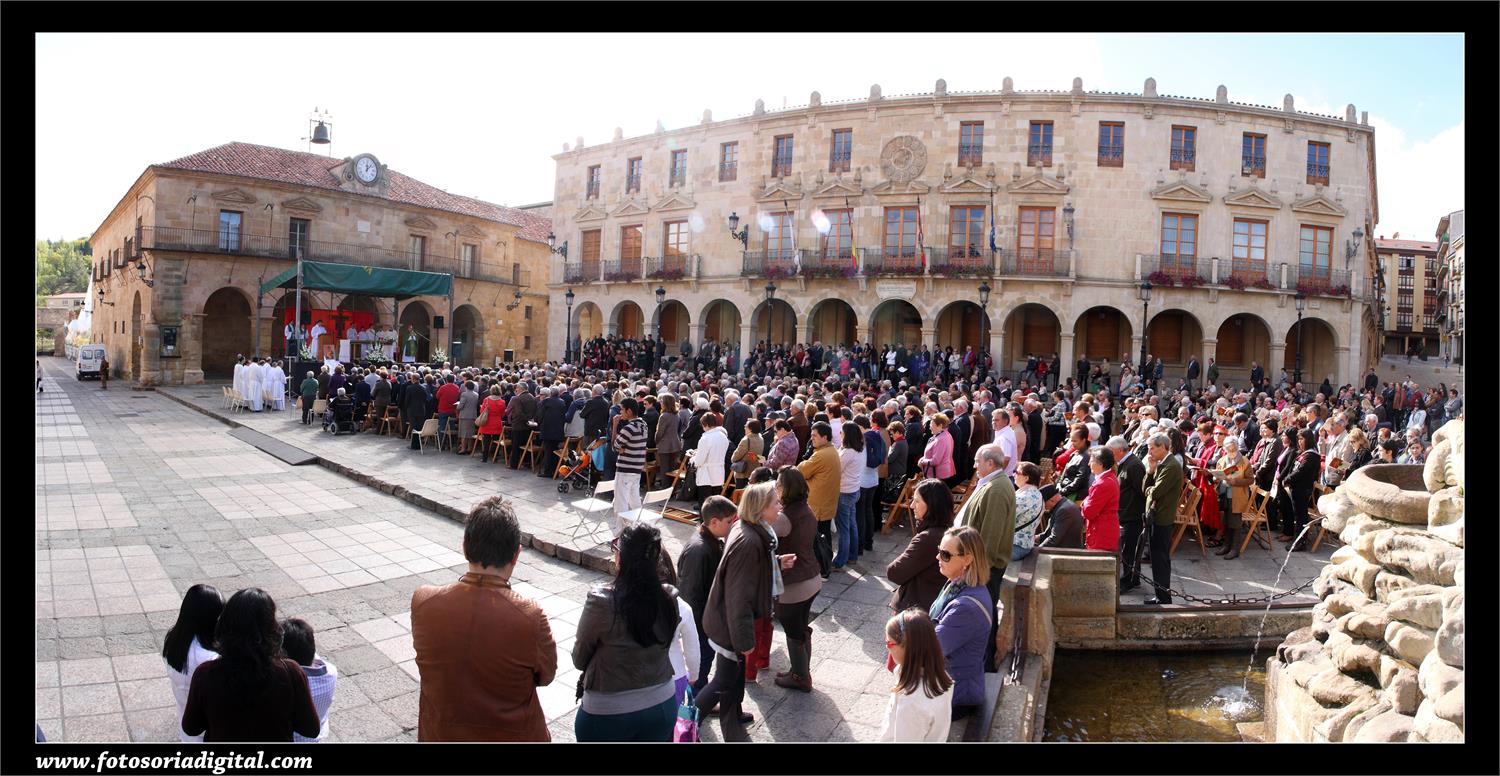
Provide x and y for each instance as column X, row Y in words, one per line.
column 593, row 558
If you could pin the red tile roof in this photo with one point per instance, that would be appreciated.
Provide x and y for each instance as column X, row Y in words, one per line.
column 305, row 169
column 1405, row 245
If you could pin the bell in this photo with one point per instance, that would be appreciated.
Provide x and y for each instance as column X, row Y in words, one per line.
column 320, row 134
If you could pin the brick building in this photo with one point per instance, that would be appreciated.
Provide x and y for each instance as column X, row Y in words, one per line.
column 1450, row 284
column 1409, row 276
column 209, row 228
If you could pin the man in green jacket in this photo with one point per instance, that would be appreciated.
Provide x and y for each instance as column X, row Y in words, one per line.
column 1213, row 371
column 991, row 510
column 309, row 391
column 1163, row 489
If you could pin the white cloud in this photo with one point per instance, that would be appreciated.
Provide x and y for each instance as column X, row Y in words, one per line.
column 1419, row 181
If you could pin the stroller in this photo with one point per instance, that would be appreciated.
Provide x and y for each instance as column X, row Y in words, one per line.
column 578, row 469
column 339, row 418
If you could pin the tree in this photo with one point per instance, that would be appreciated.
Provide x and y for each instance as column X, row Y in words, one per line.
column 62, row 267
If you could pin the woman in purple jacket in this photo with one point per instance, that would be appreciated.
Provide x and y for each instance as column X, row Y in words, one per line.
column 963, row 612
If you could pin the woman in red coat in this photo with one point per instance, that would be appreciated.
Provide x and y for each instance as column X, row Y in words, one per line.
column 1208, row 456
column 1101, row 508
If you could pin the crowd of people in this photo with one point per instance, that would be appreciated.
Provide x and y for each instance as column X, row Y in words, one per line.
column 820, row 443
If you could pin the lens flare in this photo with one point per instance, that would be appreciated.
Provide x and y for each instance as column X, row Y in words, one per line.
column 765, row 222
column 695, row 223
column 821, row 222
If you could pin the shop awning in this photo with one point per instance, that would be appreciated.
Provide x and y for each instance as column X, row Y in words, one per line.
column 356, row 279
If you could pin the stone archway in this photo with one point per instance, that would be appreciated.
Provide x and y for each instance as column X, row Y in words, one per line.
column 961, row 325
column 1318, row 360
column 1104, row 332
column 721, row 321
column 896, row 322
column 226, row 331
column 832, row 322
column 779, row 325
column 417, row 315
column 468, row 336
column 1243, row 339
column 670, row 321
column 1174, row 336
column 588, row 322
column 1030, row 328
column 628, row 320
column 137, row 337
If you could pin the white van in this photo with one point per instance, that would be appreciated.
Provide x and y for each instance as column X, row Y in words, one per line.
column 90, row 358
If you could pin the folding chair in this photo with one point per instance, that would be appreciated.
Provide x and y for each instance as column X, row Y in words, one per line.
column 450, row 436
column 562, row 457
column 224, row 397
column 391, row 422
column 532, row 451
column 1254, row 519
column 903, row 503
column 502, row 446
column 320, row 406
column 429, row 430
column 645, row 514
column 1187, row 517
column 601, row 488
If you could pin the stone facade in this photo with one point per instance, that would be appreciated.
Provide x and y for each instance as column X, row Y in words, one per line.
column 1450, row 313
column 1108, row 224
column 208, row 284
column 1409, row 281
column 1384, row 657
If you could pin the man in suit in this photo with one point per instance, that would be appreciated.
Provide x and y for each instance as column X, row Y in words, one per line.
column 1164, row 481
column 735, row 417
column 1158, row 373
column 961, row 429
column 414, row 407
column 595, row 414
column 1246, row 430
column 551, row 423
column 522, row 410
column 1257, row 375
column 1064, row 521
column 1132, row 475
column 991, row 510
column 1034, row 430
column 1192, row 370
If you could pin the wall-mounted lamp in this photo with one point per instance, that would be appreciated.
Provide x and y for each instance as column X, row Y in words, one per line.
column 101, row 298
column 743, row 235
column 141, row 268
column 517, row 303
column 561, row 250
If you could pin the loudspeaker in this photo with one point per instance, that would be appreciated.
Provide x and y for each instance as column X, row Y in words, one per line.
column 307, row 317
column 437, row 322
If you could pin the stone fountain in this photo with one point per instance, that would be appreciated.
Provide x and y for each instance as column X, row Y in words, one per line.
column 1384, row 657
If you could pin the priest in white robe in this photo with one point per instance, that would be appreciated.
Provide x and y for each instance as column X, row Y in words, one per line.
column 239, row 375
column 256, row 391
column 278, row 385
column 317, row 331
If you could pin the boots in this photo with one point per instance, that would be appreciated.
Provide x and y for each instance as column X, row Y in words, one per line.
column 800, row 676
column 1228, row 543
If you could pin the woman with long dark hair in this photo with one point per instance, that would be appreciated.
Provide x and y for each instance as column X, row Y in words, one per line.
column 253, row 692
column 190, row 643
column 915, row 573
column 921, row 703
column 624, row 639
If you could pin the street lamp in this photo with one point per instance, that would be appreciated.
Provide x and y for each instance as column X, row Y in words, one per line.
column 1300, row 299
column 141, row 268
column 568, row 328
column 1144, row 294
column 101, row 298
column 984, row 321
column 770, row 297
column 743, row 235
column 517, row 303
column 661, row 296
column 554, row 247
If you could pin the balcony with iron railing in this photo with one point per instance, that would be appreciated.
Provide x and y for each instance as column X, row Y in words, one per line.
column 970, row 154
column 1111, row 155
column 1252, row 165
column 830, row 262
column 623, row 269
column 1317, row 173
column 1037, row 262
column 838, row 161
column 769, row 264
column 1039, row 155
column 1177, row 270
column 632, row 184
column 674, row 266
column 1242, row 273
column 961, row 261
column 238, row 243
column 677, row 179
column 781, row 167
column 1318, row 281
column 892, row 261
column 582, row 271
column 1183, row 158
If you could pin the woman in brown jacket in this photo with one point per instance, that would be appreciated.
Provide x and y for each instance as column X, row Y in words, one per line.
column 751, row 451
column 741, row 594
column 1237, row 476
column 801, row 584
column 916, row 571
column 668, row 438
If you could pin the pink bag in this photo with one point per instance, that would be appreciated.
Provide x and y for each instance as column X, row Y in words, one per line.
column 686, row 728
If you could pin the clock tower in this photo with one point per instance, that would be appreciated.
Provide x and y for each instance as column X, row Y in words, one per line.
column 363, row 174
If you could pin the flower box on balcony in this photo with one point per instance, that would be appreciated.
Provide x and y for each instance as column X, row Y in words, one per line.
column 620, row 277
column 1235, row 283
column 1315, row 288
column 962, row 270
column 667, row 274
column 844, row 272
column 776, row 273
column 1159, row 278
column 900, row 270
column 1264, row 283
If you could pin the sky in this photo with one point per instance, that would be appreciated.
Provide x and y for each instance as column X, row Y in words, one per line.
column 482, row 114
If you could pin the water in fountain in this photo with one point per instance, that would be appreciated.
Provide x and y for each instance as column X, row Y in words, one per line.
column 1267, row 614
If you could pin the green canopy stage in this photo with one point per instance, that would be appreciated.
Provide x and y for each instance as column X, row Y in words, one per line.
column 354, row 279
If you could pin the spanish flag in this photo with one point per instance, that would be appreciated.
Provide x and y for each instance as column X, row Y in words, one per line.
column 921, row 246
column 853, row 245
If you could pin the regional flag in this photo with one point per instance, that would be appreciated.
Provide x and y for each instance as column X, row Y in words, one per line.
column 921, row 246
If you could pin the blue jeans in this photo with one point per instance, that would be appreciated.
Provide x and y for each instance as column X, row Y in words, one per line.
column 848, row 530
column 653, row 723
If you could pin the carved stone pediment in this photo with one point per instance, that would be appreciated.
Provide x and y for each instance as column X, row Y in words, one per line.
column 1253, row 197
column 1038, row 183
column 675, row 201
column 421, row 222
column 234, row 196
column 893, row 188
column 840, row 187
column 471, row 231
column 966, row 185
column 590, row 212
column 780, row 188
column 1182, row 191
column 1319, row 205
column 303, row 204
column 630, row 208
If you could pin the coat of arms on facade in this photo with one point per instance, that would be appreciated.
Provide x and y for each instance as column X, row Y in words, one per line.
column 903, row 159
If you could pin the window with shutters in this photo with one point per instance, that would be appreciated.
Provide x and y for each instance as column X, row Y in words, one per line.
column 528, row 312
column 1111, row 144
column 230, row 222
column 778, row 236
column 1039, row 146
column 1036, row 229
column 595, row 175
column 630, row 242
column 466, row 261
column 417, row 251
column 678, row 169
column 675, row 239
column 1317, row 163
column 298, row 231
column 1184, row 148
column 781, row 159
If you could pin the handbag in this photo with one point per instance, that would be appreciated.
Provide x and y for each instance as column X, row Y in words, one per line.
column 484, row 416
column 823, row 552
column 685, row 730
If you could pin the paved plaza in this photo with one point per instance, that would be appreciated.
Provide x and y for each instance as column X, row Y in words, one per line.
column 138, row 497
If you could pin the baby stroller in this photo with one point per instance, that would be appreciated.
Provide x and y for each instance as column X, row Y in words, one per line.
column 577, row 470
column 339, row 418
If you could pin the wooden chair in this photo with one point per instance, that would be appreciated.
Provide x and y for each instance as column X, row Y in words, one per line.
column 449, row 438
column 903, row 503
column 502, row 446
column 224, row 397
column 678, row 475
column 728, row 490
column 1047, row 474
column 736, row 496
column 429, row 430
column 481, row 445
column 961, row 494
column 391, row 423
column 1254, row 520
column 531, row 451
column 319, row 407
column 1187, row 517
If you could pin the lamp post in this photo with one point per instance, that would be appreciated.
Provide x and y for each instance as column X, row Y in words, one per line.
column 568, row 328
column 743, row 235
column 1144, row 292
column 770, row 297
column 984, row 325
column 1301, row 301
column 661, row 296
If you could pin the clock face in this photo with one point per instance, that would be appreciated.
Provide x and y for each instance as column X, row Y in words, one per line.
column 365, row 169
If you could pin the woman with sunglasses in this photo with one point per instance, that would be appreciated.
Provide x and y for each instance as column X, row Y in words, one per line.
column 963, row 612
column 921, row 703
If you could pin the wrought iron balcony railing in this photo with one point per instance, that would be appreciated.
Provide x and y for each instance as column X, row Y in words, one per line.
column 970, row 154
column 238, row 243
column 1173, row 269
column 677, row 178
column 1039, row 155
column 1111, row 155
column 1317, row 173
column 1183, row 158
column 623, row 269
column 769, row 264
column 728, row 171
column 960, row 260
column 838, row 161
column 674, row 266
column 1036, row 262
column 1320, row 281
column 632, row 183
column 1253, row 165
column 892, row 261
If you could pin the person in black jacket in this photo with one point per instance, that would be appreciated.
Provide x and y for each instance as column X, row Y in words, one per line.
column 1073, row 483
column 550, row 422
column 595, row 414
column 414, row 407
column 1132, row 510
column 1263, row 466
column 960, row 429
column 1034, row 430
column 696, row 567
column 522, row 410
column 1297, row 483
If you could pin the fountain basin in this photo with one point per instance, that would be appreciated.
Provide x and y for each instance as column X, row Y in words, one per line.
column 1394, row 492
